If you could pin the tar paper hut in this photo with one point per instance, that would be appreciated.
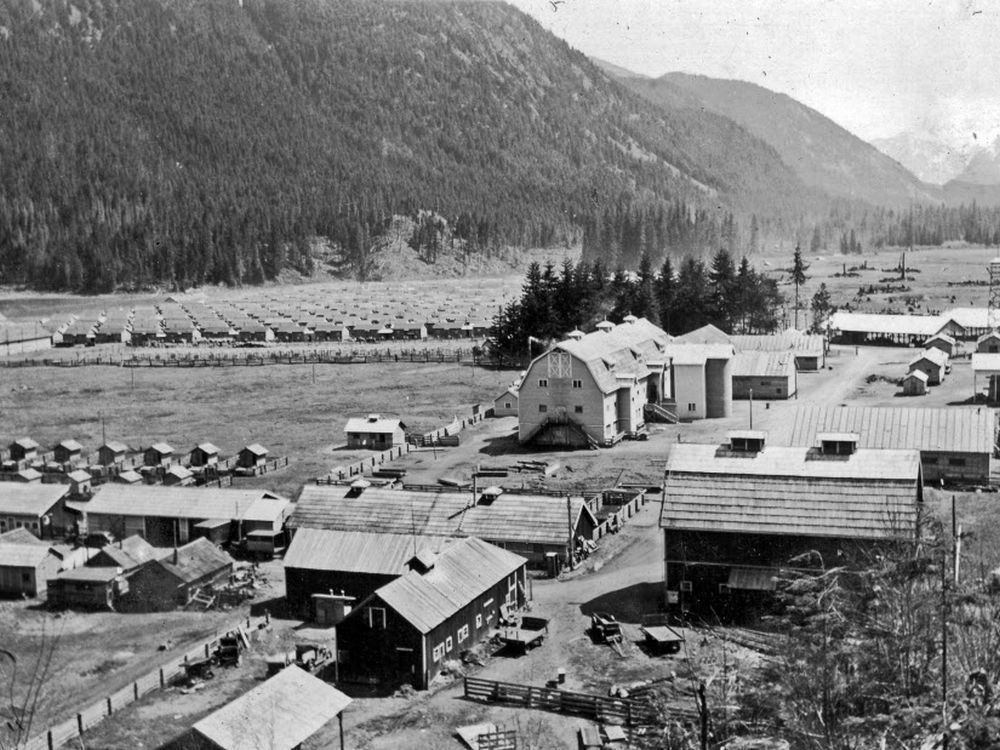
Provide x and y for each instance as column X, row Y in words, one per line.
column 735, row 515
column 409, row 628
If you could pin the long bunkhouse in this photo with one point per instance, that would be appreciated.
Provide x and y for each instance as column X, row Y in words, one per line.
column 735, row 515
column 40, row 508
column 447, row 602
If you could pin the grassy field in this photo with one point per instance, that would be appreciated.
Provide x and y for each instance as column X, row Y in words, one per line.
column 280, row 406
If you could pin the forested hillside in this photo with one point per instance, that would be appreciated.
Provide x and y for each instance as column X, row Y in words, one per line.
column 182, row 142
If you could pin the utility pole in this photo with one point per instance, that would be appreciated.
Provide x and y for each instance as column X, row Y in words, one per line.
column 703, row 716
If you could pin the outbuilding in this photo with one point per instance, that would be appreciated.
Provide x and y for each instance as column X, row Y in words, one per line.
column 24, row 449
column 989, row 343
column 205, row 454
column 915, row 383
column 158, row 454
column 81, row 484
column 26, row 568
column 764, row 375
column 942, row 341
column 40, row 508
column 409, row 628
column 375, row 432
column 87, row 588
column 505, row 405
column 933, row 363
column 252, row 457
column 111, row 453
column 280, row 713
column 68, row 451
column 178, row 476
column 172, row 581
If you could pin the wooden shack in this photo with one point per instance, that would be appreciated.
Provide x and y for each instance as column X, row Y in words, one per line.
column 112, row 453
column 24, row 449
column 374, row 432
column 915, row 383
column 26, row 568
column 174, row 580
column 158, row 454
column 205, row 454
column 68, row 451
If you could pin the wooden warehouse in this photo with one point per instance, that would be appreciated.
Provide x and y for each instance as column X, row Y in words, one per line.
column 375, row 432
column 26, row 568
column 280, row 713
column 734, row 515
column 165, row 516
column 349, row 563
column 409, row 628
column 40, row 508
column 173, row 580
column 809, row 350
column 955, row 443
column 764, row 375
column 530, row 525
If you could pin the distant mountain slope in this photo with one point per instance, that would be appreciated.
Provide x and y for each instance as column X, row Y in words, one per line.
column 193, row 142
column 930, row 159
column 823, row 154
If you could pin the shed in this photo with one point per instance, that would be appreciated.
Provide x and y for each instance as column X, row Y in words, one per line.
column 178, row 476
column 989, row 343
column 158, row 454
column 24, row 449
column 87, row 588
column 127, row 554
column 942, row 341
column 915, row 383
column 68, row 451
column 173, row 580
column 205, row 454
column 375, row 432
column 505, row 405
column 409, row 628
column 25, row 569
column 986, row 370
column 252, row 456
column 765, row 375
column 733, row 515
column 28, row 476
column 281, row 713
column 80, row 483
column 111, row 453
column 128, row 477
column 933, row 362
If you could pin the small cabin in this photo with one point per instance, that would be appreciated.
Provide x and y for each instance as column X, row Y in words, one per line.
column 158, row 454
column 24, row 449
column 989, row 343
column 505, row 405
column 915, row 383
column 205, row 454
column 933, row 363
column 252, row 456
column 81, row 484
column 178, row 476
column 942, row 341
column 375, row 432
column 68, row 451
column 111, row 453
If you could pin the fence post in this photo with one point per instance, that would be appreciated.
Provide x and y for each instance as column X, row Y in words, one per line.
column 108, row 701
column 52, row 744
column 79, row 724
column 162, row 681
column 135, row 690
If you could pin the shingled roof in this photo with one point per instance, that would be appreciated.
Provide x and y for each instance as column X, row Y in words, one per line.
column 869, row 494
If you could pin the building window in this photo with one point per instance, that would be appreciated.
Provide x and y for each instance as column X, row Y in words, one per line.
column 578, row 384
column 542, row 408
column 506, row 404
column 438, row 652
column 375, row 616
column 686, row 587
column 449, row 644
column 692, row 407
column 479, row 621
column 26, row 578
column 956, row 462
column 578, row 409
column 543, row 383
column 463, row 633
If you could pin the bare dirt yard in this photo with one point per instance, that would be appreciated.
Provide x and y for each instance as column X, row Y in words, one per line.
column 294, row 410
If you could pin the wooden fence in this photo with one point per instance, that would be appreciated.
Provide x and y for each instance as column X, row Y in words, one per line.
column 59, row 735
column 595, row 707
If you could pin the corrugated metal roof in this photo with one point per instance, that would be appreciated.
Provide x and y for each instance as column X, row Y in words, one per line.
column 29, row 500
column 985, row 362
column 280, row 714
column 356, row 551
column 968, row 317
column 789, row 341
column 764, row 365
column 932, row 355
column 22, row 555
column 187, row 502
column 902, row 325
column 957, row 429
column 98, row 574
column 131, row 552
column 511, row 517
column 20, row 536
column 464, row 570
column 792, row 491
column 707, row 334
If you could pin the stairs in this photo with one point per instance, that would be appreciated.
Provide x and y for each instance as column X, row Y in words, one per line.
column 663, row 412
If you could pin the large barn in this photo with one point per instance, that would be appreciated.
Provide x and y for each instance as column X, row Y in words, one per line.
column 407, row 629
column 956, row 443
column 593, row 389
column 530, row 525
column 165, row 516
column 733, row 515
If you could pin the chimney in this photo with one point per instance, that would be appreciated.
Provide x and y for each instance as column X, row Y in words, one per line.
column 838, row 443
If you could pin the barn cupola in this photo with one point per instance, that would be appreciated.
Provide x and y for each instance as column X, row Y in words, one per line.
column 357, row 487
column 575, row 334
column 630, row 319
column 746, row 441
column 838, row 443
column 605, row 325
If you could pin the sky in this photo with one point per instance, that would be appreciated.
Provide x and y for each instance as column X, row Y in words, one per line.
column 876, row 67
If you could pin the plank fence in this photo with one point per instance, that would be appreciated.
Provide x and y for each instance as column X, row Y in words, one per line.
column 595, row 707
column 59, row 735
